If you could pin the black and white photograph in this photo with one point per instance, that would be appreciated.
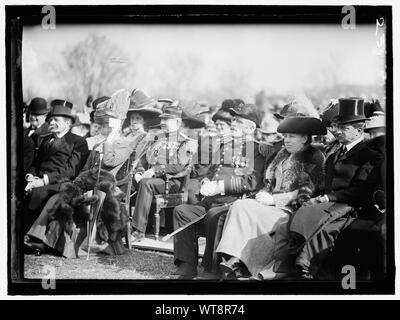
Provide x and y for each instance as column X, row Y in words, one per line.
column 200, row 149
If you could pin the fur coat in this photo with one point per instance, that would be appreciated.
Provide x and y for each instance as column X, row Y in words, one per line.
column 306, row 174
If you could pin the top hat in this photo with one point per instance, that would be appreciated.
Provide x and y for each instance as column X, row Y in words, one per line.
column 302, row 125
column 139, row 99
column 38, row 106
column 97, row 101
column 172, row 111
column 62, row 108
column 247, row 111
column 331, row 111
column 350, row 110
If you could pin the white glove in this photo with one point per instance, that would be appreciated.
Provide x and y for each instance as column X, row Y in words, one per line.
column 35, row 183
column 265, row 198
column 209, row 188
column 138, row 177
column 148, row 174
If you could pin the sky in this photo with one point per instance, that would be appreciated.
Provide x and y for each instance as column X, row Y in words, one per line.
column 276, row 58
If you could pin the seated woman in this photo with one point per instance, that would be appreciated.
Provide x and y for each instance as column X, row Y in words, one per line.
column 293, row 176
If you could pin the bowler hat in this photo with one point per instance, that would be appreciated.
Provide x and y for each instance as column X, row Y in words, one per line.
column 62, row 108
column 350, row 110
column 302, row 125
column 247, row 111
column 38, row 106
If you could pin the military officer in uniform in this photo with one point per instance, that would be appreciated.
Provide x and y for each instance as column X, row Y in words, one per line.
column 168, row 156
column 236, row 171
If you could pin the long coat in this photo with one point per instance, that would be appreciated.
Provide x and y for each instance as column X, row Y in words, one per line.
column 60, row 159
column 348, row 184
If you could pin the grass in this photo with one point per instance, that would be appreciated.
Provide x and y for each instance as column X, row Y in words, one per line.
column 135, row 264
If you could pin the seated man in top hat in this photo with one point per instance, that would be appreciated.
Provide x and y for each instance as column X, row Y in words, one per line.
column 169, row 155
column 315, row 227
column 61, row 155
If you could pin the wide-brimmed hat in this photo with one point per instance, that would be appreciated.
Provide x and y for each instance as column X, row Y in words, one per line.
column 139, row 98
column 38, row 106
column 302, row 125
column 191, row 111
column 247, row 111
column 222, row 115
column 331, row 111
column 350, row 110
column 62, row 108
column 298, row 105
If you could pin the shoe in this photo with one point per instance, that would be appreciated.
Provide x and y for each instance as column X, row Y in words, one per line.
column 306, row 275
column 230, row 266
column 137, row 236
column 186, row 271
column 35, row 248
column 207, row 275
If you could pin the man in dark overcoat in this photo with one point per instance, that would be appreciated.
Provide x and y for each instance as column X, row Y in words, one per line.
column 315, row 226
column 237, row 170
column 61, row 155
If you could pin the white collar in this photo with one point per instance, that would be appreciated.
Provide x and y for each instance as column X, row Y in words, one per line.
column 354, row 143
column 62, row 134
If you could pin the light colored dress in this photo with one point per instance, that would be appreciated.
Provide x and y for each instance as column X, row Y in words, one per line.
column 249, row 224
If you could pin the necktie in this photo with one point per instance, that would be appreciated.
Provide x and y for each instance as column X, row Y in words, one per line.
column 343, row 150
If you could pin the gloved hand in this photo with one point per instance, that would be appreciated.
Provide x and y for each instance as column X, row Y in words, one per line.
column 209, row 188
column 138, row 177
column 35, row 183
column 148, row 174
column 265, row 197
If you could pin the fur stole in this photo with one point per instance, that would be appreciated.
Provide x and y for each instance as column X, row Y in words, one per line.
column 306, row 173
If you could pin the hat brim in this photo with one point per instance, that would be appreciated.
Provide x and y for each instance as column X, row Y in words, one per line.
column 194, row 123
column 222, row 116
column 63, row 115
column 169, row 116
column 351, row 119
column 245, row 116
column 302, row 125
column 278, row 116
column 145, row 111
column 39, row 112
